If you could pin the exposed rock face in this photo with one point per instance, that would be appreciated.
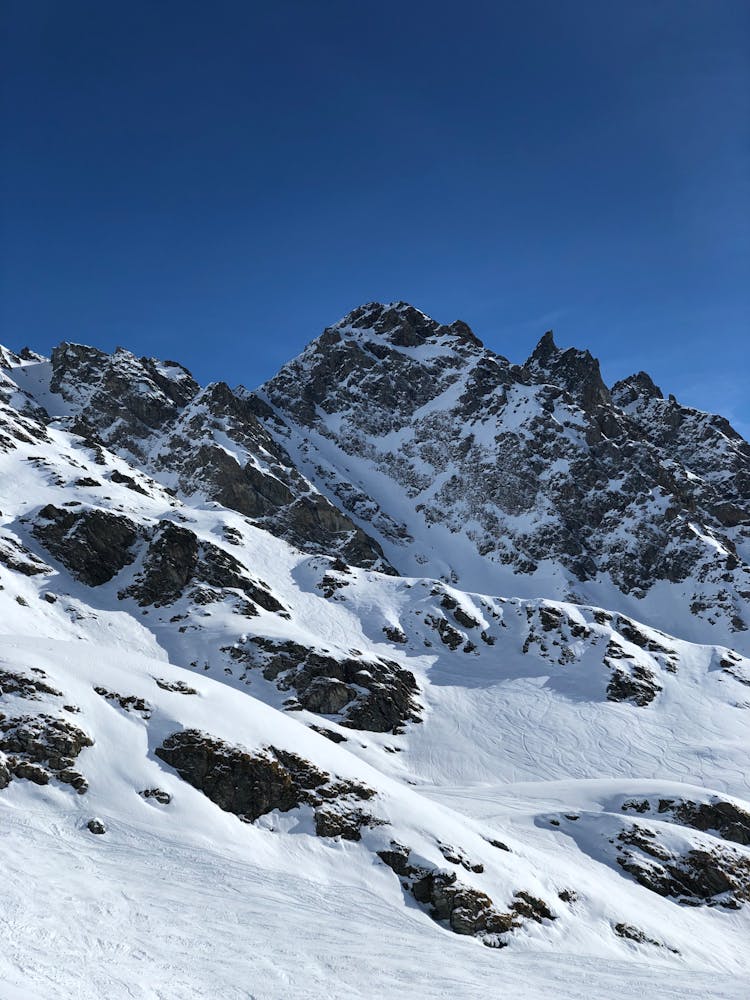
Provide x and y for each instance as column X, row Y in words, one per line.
column 39, row 747
column 716, row 876
column 638, row 685
column 253, row 784
column 246, row 784
column 706, row 444
column 718, row 816
column 631, row 933
column 464, row 909
column 17, row 557
column 169, row 565
column 94, row 545
column 521, row 464
column 575, row 371
column 389, row 412
column 727, row 819
column 367, row 693
column 157, row 794
column 127, row 702
column 13, row 682
column 22, row 422
column 177, row 558
column 201, row 440
column 179, row 686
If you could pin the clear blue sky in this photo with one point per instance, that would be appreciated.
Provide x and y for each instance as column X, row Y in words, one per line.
column 217, row 182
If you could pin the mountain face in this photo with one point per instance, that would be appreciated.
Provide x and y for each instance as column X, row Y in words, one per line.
column 413, row 672
column 200, row 441
column 535, row 478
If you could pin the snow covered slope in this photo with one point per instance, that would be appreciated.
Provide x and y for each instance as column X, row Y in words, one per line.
column 239, row 759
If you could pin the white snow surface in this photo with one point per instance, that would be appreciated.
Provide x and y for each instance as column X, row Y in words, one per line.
column 186, row 901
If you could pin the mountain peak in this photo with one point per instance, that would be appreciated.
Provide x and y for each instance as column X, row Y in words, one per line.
column 577, row 371
column 634, row 387
column 545, row 348
column 401, row 324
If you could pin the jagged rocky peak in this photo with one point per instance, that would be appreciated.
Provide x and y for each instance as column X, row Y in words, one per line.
column 400, row 324
column 574, row 370
column 393, row 357
column 147, row 389
column 634, row 387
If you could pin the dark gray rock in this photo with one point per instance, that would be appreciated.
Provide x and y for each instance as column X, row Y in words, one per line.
column 718, row 816
column 157, row 794
column 247, row 784
column 717, row 877
column 42, row 746
column 464, row 909
column 253, row 784
column 94, row 545
column 373, row 694
column 179, row 686
column 177, row 558
column 19, row 559
column 541, row 460
column 631, row 933
column 31, row 687
column 127, row 702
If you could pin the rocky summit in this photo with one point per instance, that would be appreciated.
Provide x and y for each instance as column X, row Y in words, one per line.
column 411, row 668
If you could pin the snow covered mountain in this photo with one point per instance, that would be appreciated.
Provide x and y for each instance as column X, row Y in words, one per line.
column 415, row 672
column 533, row 479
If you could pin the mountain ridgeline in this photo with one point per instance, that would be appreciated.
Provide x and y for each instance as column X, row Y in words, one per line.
column 403, row 445
column 408, row 645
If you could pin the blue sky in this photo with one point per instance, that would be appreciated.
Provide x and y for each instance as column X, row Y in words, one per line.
column 218, row 182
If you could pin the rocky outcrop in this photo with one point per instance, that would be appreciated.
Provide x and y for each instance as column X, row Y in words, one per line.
column 636, row 684
column 575, row 371
column 462, row 908
column 246, row 784
column 94, row 545
column 16, row 557
column 250, row 785
column 208, row 440
column 717, row 816
column 176, row 559
column 716, row 875
column 127, row 702
column 365, row 692
column 180, row 687
column 157, row 794
column 168, row 566
column 28, row 687
column 631, row 933
column 40, row 747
